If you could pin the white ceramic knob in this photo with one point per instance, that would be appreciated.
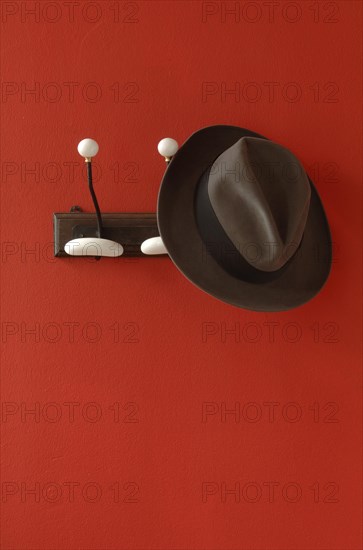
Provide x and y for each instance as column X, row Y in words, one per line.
column 167, row 147
column 88, row 148
column 153, row 246
column 93, row 246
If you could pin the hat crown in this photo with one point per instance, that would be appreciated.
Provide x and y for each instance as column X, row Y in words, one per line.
column 260, row 194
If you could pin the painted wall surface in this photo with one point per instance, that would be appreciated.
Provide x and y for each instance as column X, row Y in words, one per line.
column 138, row 412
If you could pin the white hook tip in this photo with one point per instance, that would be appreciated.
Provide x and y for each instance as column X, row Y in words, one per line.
column 93, row 246
column 88, row 148
column 167, row 147
column 153, row 246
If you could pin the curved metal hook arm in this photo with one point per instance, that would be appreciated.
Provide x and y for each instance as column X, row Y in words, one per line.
column 94, row 198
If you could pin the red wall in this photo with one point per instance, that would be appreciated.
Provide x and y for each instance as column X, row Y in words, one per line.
column 146, row 455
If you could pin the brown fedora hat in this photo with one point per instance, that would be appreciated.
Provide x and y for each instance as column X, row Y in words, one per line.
column 242, row 221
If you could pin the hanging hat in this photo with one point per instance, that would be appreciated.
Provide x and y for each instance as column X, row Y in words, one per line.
column 242, row 221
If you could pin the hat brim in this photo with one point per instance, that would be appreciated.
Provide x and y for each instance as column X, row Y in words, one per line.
column 300, row 280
